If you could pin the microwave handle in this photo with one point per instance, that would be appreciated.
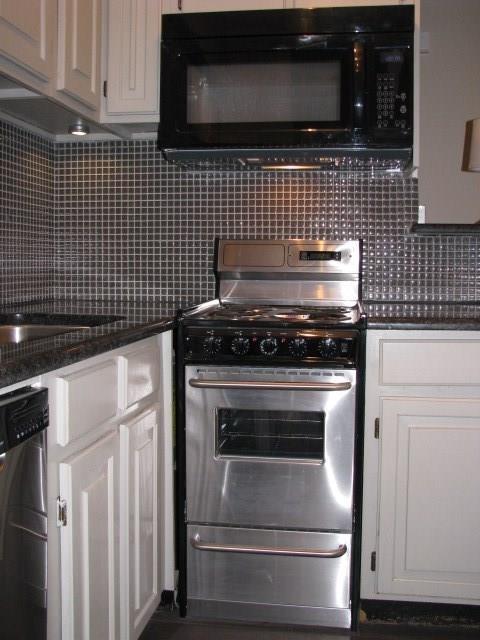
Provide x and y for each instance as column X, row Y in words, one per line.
column 359, row 80
column 268, row 385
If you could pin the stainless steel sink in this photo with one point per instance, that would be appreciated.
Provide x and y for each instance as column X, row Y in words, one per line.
column 18, row 327
column 11, row 333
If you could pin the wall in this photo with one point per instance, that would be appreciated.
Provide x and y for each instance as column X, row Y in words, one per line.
column 127, row 225
column 130, row 225
column 449, row 97
column 26, row 216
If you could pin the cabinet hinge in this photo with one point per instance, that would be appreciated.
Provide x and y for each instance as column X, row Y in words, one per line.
column 104, row 88
column 377, row 428
column 61, row 512
column 373, row 561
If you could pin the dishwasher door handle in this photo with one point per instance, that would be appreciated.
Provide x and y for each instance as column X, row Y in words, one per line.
column 269, row 385
column 339, row 551
column 35, row 534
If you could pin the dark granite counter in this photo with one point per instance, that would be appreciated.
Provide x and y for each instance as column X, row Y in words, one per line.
column 141, row 320
column 456, row 316
column 31, row 358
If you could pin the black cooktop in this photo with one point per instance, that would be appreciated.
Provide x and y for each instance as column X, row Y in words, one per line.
column 222, row 313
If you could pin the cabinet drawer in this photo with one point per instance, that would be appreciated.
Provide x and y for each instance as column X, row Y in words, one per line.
column 139, row 374
column 86, row 399
column 429, row 362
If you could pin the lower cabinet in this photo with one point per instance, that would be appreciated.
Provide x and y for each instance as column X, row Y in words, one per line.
column 140, row 522
column 110, row 492
column 89, row 541
column 421, row 518
column 429, row 508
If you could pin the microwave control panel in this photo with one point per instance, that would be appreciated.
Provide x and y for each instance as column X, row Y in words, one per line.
column 393, row 99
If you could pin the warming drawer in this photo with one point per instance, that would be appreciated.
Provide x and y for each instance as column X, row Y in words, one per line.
column 266, row 585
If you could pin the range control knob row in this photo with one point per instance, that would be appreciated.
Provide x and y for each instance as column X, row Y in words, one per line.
column 269, row 346
column 240, row 345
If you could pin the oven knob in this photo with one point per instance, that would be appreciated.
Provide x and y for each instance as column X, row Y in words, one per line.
column 298, row 347
column 269, row 346
column 212, row 345
column 327, row 348
column 240, row 345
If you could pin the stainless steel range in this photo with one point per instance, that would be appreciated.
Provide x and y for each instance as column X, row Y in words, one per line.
column 267, row 438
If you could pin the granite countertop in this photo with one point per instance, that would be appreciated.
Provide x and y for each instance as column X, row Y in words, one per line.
column 143, row 319
column 31, row 358
column 455, row 316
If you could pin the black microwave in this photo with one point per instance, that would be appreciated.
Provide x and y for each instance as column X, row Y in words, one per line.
column 331, row 86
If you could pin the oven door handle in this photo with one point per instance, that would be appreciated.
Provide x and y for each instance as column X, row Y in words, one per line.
column 196, row 543
column 269, row 385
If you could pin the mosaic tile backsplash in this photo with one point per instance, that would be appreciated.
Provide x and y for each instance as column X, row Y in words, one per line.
column 26, row 216
column 127, row 225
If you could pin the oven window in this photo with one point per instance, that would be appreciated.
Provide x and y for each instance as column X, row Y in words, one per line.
column 270, row 434
column 300, row 91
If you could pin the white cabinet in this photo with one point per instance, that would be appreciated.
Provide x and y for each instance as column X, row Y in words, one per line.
column 27, row 37
column 79, row 50
column 421, row 513
column 89, row 545
column 140, row 447
column 193, row 6
column 429, row 512
column 133, row 61
column 110, row 459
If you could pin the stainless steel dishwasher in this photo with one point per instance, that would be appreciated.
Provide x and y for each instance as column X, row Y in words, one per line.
column 23, row 514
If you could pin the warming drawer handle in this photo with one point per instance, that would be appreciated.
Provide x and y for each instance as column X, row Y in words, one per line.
column 269, row 551
column 269, row 385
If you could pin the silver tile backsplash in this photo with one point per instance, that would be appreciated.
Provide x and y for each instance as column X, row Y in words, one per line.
column 26, row 216
column 128, row 225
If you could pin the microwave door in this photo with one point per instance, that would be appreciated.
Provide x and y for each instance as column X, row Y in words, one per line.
column 257, row 98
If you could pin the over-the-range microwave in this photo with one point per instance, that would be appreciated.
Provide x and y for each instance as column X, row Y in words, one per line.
column 328, row 87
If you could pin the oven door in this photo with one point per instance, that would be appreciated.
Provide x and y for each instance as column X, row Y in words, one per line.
column 270, row 447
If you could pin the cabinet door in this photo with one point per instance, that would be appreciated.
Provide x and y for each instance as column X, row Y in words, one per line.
column 79, row 50
column 429, row 505
column 89, row 542
column 27, row 30
column 140, row 485
column 133, row 58
column 193, row 6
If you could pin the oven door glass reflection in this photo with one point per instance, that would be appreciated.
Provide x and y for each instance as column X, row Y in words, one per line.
column 270, row 434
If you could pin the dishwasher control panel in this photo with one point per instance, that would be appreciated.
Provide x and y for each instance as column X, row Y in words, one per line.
column 23, row 413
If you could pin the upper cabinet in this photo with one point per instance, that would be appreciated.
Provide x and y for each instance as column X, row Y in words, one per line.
column 27, row 37
column 449, row 98
column 133, row 61
column 54, row 48
column 193, row 6
column 79, row 50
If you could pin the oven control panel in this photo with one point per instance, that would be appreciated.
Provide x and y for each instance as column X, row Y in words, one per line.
column 271, row 346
